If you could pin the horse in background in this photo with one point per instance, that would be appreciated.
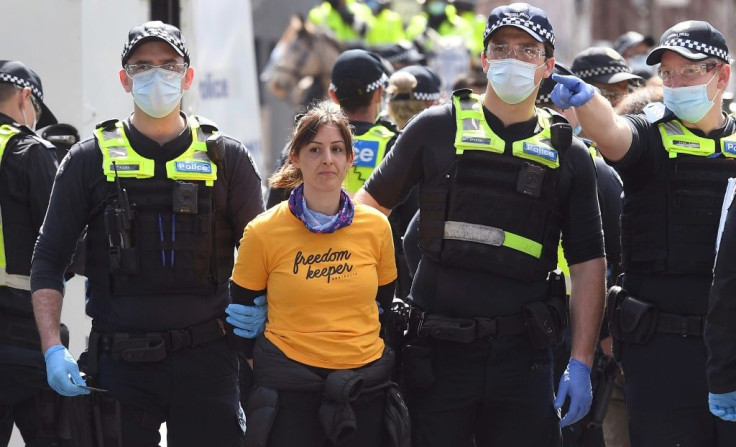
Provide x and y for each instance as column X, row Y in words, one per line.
column 300, row 64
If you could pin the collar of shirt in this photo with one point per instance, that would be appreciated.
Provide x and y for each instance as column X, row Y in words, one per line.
column 514, row 131
column 150, row 149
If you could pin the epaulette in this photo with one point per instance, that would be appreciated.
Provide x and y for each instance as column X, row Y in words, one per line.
column 656, row 113
column 206, row 124
column 47, row 144
column 107, row 125
column 462, row 93
column 388, row 125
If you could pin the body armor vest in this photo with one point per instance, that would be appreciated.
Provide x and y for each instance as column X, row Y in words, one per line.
column 670, row 226
column 494, row 211
column 369, row 148
column 177, row 241
column 22, row 282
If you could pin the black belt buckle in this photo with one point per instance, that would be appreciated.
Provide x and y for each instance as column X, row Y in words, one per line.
column 486, row 328
column 178, row 339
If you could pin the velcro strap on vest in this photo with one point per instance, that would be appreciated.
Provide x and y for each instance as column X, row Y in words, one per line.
column 467, row 330
column 483, row 234
column 153, row 346
column 685, row 325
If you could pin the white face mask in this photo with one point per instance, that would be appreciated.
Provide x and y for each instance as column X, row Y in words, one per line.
column 157, row 91
column 690, row 103
column 512, row 79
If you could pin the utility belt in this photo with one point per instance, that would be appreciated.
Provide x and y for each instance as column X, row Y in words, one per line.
column 154, row 346
column 545, row 323
column 632, row 320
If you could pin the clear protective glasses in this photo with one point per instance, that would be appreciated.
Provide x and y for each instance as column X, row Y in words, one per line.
column 170, row 71
column 687, row 73
column 525, row 53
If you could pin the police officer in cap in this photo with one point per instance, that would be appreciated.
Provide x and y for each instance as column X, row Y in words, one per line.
column 674, row 163
column 605, row 69
column 165, row 198
column 27, row 169
column 500, row 180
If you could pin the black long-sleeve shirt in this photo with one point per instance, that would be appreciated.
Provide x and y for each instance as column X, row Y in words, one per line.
column 27, row 172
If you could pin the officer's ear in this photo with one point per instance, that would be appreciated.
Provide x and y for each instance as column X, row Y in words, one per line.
column 126, row 81
column 188, row 78
column 549, row 67
column 724, row 77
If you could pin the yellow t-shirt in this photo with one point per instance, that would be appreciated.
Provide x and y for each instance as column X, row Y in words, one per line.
column 321, row 288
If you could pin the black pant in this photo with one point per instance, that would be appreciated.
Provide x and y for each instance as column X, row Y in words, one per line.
column 297, row 422
column 195, row 390
column 667, row 395
column 499, row 392
column 23, row 390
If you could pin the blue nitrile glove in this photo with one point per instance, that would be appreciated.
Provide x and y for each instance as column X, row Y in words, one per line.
column 575, row 382
column 249, row 321
column 570, row 91
column 62, row 372
column 723, row 405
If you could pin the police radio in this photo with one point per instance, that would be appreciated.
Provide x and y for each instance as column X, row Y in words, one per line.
column 118, row 219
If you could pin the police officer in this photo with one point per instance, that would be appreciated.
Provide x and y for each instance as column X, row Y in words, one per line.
column 605, row 69
column 634, row 47
column 387, row 27
column 498, row 184
column 27, row 168
column 165, row 200
column 674, row 165
column 347, row 20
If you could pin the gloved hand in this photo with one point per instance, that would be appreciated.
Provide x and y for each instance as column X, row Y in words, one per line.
column 570, row 91
column 62, row 372
column 249, row 321
column 723, row 405
column 575, row 382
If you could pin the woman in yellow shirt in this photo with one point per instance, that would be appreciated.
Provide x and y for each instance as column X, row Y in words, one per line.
column 320, row 368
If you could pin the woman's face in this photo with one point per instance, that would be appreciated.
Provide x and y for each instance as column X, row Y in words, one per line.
column 324, row 161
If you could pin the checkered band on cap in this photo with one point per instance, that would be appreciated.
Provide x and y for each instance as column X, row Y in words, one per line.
column 697, row 47
column 160, row 34
column 520, row 22
column 380, row 82
column 15, row 80
column 424, row 96
column 544, row 99
column 598, row 71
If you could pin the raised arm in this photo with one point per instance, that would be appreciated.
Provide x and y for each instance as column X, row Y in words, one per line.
column 610, row 131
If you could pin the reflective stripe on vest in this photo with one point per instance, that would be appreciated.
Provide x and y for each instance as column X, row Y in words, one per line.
column 193, row 164
column 369, row 149
column 21, row 282
column 474, row 133
column 678, row 139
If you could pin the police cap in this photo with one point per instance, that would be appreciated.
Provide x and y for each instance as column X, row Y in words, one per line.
column 604, row 65
column 692, row 39
column 155, row 30
column 16, row 73
column 529, row 18
column 357, row 72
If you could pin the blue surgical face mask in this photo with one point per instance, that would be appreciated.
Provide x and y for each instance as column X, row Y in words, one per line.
column 512, row 79
column 157, row 91
column 435, row 8
column 689, row 103
column 577, row 130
